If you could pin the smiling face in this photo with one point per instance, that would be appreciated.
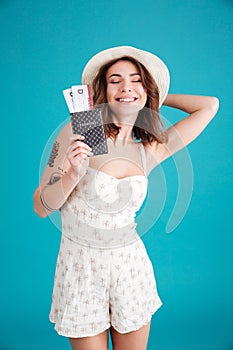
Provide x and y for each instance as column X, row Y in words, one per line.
column 146, row 92
column 125, row 92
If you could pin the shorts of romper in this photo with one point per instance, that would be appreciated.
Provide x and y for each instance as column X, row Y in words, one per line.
column 98, row 288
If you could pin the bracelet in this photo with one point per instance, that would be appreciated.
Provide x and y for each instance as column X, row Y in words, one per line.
column 45, row 205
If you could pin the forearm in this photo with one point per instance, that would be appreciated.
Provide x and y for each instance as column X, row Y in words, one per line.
column 191, row 103
column 52, row 196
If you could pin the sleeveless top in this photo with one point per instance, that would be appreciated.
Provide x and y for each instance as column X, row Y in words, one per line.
column 101, row 210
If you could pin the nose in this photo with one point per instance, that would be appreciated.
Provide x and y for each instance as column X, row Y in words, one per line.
column 126, row 87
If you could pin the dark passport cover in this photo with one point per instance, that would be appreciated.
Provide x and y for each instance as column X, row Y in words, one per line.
column 90, row 124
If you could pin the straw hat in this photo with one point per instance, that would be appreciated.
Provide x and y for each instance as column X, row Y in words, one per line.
column 154, row 65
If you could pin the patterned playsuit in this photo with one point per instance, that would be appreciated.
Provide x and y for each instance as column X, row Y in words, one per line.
column 104, row 276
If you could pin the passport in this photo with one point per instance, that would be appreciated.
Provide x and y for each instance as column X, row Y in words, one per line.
column 85, row 120
column 90, row 124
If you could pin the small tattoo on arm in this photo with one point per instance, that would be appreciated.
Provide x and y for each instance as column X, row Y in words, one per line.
column 55, row 177
column 53, row 154
column 62, row 171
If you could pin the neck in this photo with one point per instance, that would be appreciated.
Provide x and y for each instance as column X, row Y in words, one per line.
column 125, row 133
column 126, row 128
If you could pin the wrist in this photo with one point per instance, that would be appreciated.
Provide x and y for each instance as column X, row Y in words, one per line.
column 74, row 176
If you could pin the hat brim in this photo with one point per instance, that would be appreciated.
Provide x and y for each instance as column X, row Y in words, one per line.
column 154, row 65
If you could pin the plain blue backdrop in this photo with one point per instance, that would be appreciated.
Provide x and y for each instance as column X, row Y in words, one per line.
column 44, row 47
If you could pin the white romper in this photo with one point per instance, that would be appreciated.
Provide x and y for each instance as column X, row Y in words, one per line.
column 104, row 276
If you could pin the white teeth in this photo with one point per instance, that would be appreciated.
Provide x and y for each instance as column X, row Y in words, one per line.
column 126, row 99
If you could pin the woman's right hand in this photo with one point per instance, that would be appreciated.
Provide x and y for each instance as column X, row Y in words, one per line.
column 69, row 164
column 78, row 156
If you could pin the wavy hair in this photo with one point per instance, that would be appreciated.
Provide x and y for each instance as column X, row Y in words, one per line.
column 148, row 126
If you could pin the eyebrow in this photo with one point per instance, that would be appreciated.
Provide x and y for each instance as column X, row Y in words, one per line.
column 119, row 75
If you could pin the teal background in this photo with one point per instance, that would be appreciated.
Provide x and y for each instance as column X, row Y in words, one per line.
column 44, row 47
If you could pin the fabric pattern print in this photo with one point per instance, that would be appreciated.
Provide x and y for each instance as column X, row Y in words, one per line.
column 53, row 154
column 96, row 288
column 103, row 274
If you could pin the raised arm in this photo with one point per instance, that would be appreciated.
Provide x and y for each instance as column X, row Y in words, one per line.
column 66, row 166
column 201, row 110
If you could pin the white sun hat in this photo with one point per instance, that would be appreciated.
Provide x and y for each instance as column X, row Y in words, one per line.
column 154, row 65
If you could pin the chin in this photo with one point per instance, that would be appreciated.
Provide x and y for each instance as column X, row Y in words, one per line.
column 125, row 109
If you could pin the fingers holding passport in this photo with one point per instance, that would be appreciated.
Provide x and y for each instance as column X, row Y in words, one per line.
column 78, row 151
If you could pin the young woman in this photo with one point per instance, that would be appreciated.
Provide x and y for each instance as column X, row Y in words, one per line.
column 104, row 278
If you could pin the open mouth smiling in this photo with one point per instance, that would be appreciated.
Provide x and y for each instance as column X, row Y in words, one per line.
column 126, row 99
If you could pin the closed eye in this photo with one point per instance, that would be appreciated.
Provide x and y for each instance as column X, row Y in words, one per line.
column 134, row 81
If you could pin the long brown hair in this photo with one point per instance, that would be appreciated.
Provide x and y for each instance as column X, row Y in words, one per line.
column 148, row 126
